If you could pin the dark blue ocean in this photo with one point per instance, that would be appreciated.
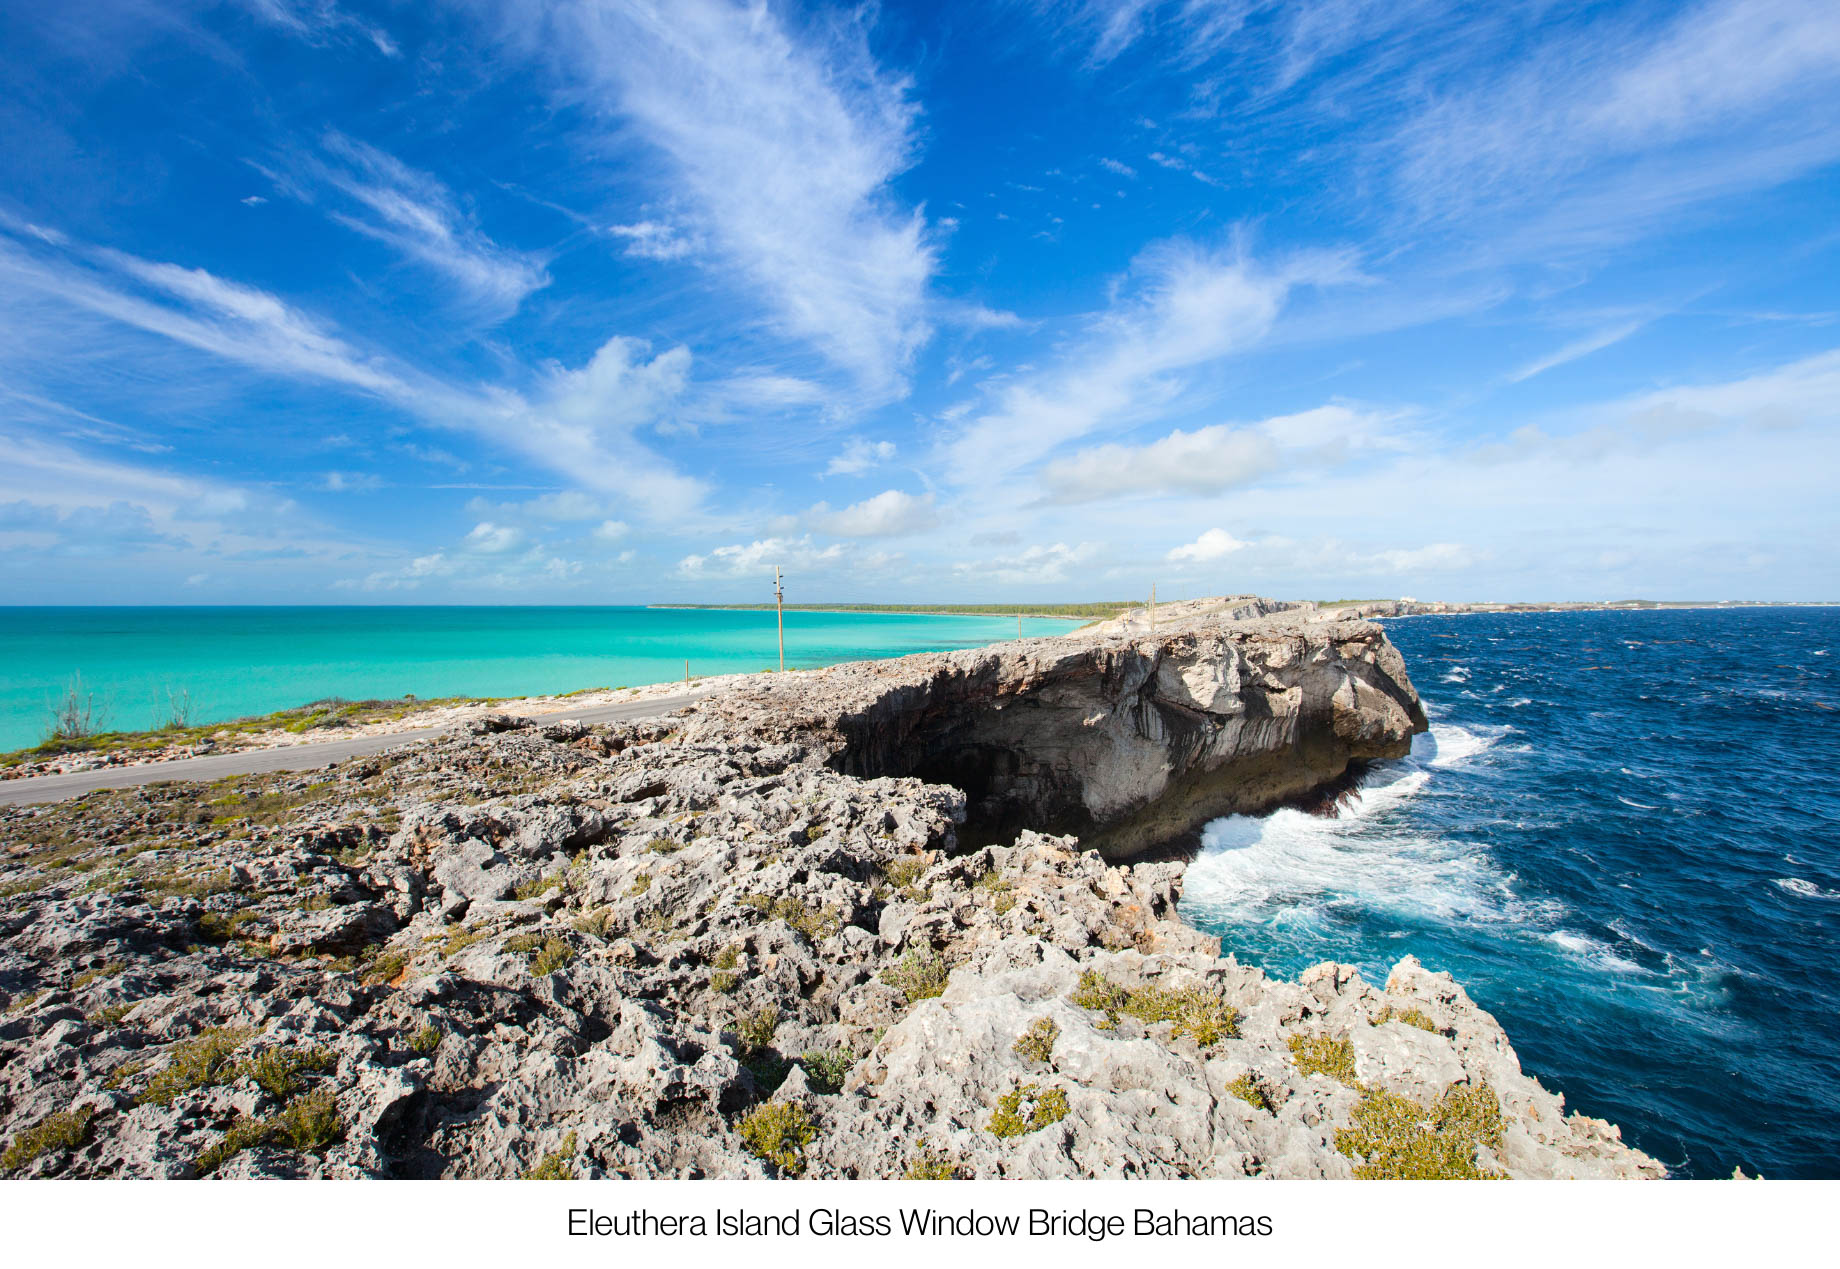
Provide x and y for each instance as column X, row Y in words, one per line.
column 1622, row 835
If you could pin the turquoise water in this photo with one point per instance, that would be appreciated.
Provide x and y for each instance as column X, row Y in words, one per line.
column 1622, row 835
column 240, row 661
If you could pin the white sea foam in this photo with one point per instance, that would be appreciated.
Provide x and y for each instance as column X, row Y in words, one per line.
column 1457, row 674
column 1291, row 867
column 1807, row 889
column 1640, row 806
column 1594, row 952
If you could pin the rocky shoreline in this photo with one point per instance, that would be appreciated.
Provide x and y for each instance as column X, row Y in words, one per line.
column 835, row 924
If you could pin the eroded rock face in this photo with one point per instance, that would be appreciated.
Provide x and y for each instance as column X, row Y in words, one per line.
column 1125, row 739
column 696, row 947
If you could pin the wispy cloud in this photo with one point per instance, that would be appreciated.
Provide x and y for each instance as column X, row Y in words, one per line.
column 320, row 20
column 1184, row 307
column 782, row 147
column 417, row 215
column 582, row 423
column 653, row 240
column 1577, row 348
column 859, row 455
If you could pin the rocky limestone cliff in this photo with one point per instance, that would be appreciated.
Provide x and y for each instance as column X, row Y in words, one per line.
column 1125, row 739
column 723, row 945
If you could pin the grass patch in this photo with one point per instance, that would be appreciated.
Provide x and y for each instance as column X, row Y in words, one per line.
column 725, row 977
column 1247, row 1090
column 1196, row 1012
column 308, row 1124
column 826, row 1069
column 196, row 1063
column 904, row 873
column 1393, row 1138
column 1411, row 1017
column 278, row 1072
column 557, row 1165
column 66, row 1130
column 815, row 924
column 552, row 956
column 931, row 1164
column 1027, row 1108
column 1037, row 1043
column 918, row 976
column 778, row 1132
column 756, row 1029
column 89, row 976
column 1002, row 894
column 426, row 1040
column 1324, row 1055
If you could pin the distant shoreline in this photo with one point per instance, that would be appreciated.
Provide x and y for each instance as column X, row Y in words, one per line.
column 875, row 610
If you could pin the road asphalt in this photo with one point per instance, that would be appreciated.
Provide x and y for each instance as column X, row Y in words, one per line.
column 321, row 753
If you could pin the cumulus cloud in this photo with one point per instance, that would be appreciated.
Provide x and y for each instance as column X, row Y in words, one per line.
column 1213, row 545
column 859, row 456
column 1208, row 460
column 1057, row 562
column 758, row 557
column 891, row 513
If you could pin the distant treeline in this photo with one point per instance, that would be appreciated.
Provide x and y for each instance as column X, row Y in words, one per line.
column 955, row 610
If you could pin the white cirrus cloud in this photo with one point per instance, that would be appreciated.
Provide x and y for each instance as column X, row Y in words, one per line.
column 417, row 215
column 653, row 240
column 1185, row 307
column 1055, row 562
column 780, row 149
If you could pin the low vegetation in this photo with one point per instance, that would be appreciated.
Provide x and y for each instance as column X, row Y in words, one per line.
column 931, row 1164
column 1324, row 1055
column 1393, row 1138
column 196, row 1063
column 1411, row 1017
column 66, row 1130
column 1197, row 1012
column 308, row 1124
column 826, row 1069
column 1037, row 1043
column 1027, row 1108
column 556, row 1165
column 918, row 976
column 1247, row 1090
column 778, row 1132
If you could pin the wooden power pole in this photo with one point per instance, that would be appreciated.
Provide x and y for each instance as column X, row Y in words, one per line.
column 1153, row 608
column 779, row 607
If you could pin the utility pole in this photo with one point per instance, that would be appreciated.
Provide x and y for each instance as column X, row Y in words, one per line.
column 1152, row 608
column 1019, row 625
column 779, row 607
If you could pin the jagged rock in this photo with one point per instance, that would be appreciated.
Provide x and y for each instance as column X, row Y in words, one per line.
column 599, row 951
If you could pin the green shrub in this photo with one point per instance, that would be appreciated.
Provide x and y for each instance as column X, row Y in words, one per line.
column 662, row 846
column 1395, row 1139
column 930, row 1164
column 904, row 874
column 427, row 1040
column 778, row 1133
column 556, row 1165
column 552, row 956
column 1323, row 1055
column 1037, row 1043
column 726, row 977
column 826, row 1069
column 277, row 1071
column 918, row 976
column 640, row 884
column 1197, row 1012
column 537, row 887
column 66, row 1130
column 196, row 1063
column 307, row 1124
column 1411, row 1017
column 1027, row 1108
column 756, row 1029
column 1001, row 894
column 1247, row 1090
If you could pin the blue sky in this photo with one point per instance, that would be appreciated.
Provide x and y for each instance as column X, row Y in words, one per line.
column 585, row 301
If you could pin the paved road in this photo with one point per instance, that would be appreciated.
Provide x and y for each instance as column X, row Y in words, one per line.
column 324, row 753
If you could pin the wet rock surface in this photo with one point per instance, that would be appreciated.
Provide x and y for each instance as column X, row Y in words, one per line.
column 724, row 944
